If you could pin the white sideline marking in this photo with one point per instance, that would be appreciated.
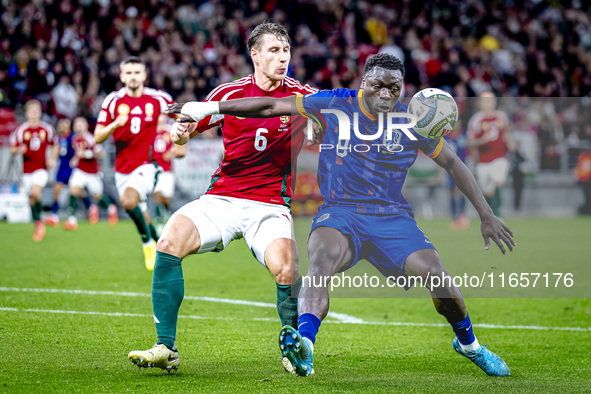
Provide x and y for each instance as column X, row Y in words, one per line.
column 342, row 318
column 120, row 314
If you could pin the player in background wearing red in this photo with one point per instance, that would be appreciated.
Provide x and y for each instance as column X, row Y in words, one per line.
column 248, row 198
column 86, row 175
column 131, row 116
column 31, row 139
column 488, row 133
column 164, row 151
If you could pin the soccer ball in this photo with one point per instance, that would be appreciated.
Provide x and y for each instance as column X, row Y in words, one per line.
column 436, row 112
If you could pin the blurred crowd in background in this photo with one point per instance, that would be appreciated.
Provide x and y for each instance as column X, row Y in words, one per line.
column 66, row 54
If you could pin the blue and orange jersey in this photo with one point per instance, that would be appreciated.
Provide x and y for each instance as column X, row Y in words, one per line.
column 363, row 175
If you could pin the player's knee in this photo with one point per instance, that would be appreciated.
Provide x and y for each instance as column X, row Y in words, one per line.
column 128, row 203
column 424, row 263
column 35, row 196
column 325, row 257
column 168, row 245
column 284, row 274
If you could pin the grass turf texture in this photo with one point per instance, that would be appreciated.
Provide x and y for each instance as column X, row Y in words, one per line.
column 227, row 350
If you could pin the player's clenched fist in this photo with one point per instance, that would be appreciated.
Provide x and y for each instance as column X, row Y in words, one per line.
column 180, row 133
column 121, row 120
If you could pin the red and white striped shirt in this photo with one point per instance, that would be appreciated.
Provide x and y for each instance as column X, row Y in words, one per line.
column 36, row 139
column 134, row 140
column 84, row 143
column 260, row 154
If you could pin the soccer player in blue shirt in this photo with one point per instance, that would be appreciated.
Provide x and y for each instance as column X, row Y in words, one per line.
column 64, row 170
column 365, row 215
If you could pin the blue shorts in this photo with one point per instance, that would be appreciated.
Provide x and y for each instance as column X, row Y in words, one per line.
column 63, row 174
column 383, row 240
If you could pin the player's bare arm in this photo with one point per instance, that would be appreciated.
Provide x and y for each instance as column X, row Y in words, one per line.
column 52, row 159
column 179, row 151
column 257, row 107
column 491, row 227
column 19, row 149
column 102, row 132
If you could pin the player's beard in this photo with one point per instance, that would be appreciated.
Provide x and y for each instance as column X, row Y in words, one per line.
column 137, row 85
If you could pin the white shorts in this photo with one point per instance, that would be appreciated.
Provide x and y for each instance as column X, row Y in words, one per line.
column 165, row 184
column 220, row 220
column 92, row 182
column 141, row 179
column 38, row 177
column 492, row 175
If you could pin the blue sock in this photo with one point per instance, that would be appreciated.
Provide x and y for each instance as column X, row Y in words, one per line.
column 308, row 326
column 454, row 209
column 55, row 207
column 87, row 202
column 463, row 331
column 462, row 205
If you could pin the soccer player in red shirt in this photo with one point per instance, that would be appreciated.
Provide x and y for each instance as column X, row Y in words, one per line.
column 31, row 139
column 248, row 198
column 164, row 151
column 488, row 132
column 131, row 116
column 86, row 175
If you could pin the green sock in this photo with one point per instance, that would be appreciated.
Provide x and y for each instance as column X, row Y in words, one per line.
column 168, row 290
column 36, row 210
column 153, row 232
column 287, row 306
column 73, row 205
column 498, row 202
column 137, row 216
column 104, row 202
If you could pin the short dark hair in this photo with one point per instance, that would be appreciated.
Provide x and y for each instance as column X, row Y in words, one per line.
column 257, row 34
column 132, row 60
column 384, row 60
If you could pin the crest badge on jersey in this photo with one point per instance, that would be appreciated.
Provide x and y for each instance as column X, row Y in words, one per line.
column 149, row 109
column 123, row 109
column 391, row 145
column 323, row 217
column 284, row 119
column 42, row 135
column 27, row 135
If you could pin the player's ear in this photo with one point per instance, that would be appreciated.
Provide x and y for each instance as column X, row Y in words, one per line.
column 254, row 55
column 362, row 82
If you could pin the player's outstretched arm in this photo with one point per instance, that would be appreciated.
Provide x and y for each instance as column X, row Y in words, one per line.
column 254, row 107
column 491, row 227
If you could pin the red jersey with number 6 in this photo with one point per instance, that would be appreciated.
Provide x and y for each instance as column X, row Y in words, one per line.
column 162, row 144
column 84, row 143
column 36, row 139
column 259, row 158
column 494, row 126
column 134, row 140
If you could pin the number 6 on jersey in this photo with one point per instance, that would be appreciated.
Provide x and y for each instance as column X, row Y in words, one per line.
column 260, row 142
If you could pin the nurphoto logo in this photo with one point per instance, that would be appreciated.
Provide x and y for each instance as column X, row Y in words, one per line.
column 391, row 139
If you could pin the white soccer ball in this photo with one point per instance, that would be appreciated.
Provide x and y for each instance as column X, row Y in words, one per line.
column 436, row 112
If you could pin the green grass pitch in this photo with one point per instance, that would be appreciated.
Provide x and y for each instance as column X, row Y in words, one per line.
column 232, row 347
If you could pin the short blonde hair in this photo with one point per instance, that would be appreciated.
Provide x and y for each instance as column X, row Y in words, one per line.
column 33, row 102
